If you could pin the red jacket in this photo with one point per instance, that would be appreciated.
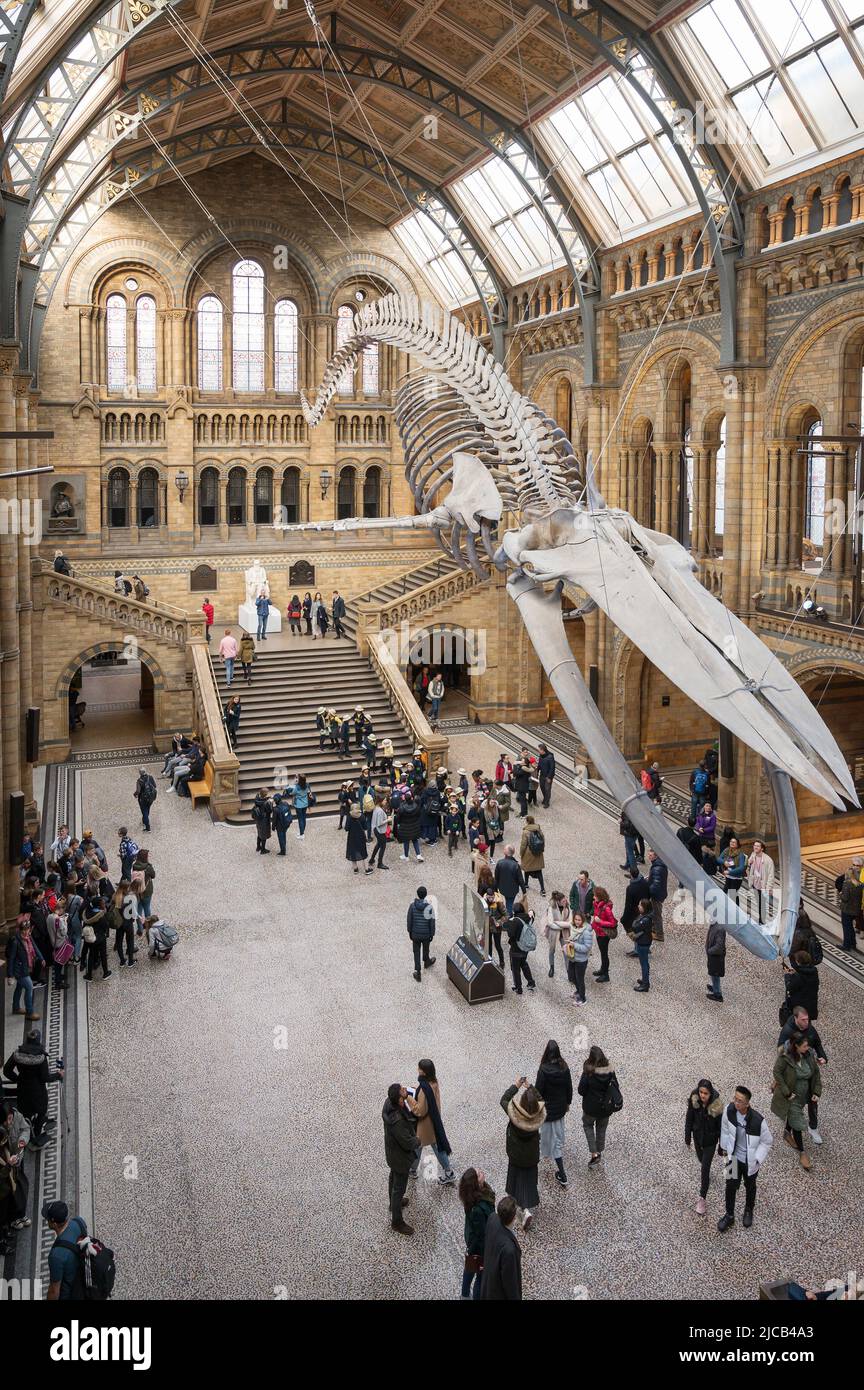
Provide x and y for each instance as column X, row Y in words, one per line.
column 604, row 919
column 207, row 610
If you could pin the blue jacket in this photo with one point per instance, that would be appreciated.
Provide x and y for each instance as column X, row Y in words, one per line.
column 262, row 605
column 301, row 796
column 658, row 876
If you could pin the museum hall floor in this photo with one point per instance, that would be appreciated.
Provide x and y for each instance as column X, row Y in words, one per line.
column 245, row 1078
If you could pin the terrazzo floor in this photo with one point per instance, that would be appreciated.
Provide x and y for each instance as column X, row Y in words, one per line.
column 241, row 1083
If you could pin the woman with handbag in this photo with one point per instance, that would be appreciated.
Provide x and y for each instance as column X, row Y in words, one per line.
column 797, row 1085
column 62, row 949
column 303, row 797
column 478, row 1201
column 605, row 929
column 526, row 1112
column 426, row 1109
column 577, row 950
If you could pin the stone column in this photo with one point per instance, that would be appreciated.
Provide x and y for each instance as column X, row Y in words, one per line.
column 774, row 456
column 733, row 500
column 802, row 215
column 181, row 372
column 86, row 318
column 10, row 666
column 775, row 225
column 28, row 538
column 224, row 533
column 829, row 210
column 857, row 191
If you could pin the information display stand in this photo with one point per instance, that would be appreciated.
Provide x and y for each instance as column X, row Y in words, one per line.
column 475, row 976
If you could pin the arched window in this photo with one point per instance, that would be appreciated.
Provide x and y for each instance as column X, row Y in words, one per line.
column 685, row 525
column 118, row 497
column 208, row 497
column 370, row 369
column 264, row 497
column 248, row 326
column 814, row 495
column 720, row 481
column 148, row 497
column 285, row 342
column 145, row 342
column 345, row 493
column 291, row 496
column 372, row 492
column 237, row 497
column 115, row 341
column 344, row 329
column 209, row 344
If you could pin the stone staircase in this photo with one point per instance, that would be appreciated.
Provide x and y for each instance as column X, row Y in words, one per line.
column 277, row 736
column 395, row 589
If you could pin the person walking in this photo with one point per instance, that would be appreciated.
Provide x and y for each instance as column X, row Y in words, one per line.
column 406, row 823
column 281, row 818
column 526, row 1114
column 702, row 1131
column 642, row 934
column 421, row 929
column 400, row 1146
column 436, row 695
column 502, row 1256
column 127, row 850
column 478, row 1203
column 715, row 952
column 209, row 614
column 556, row 927
column 247, row 656
column 555, row 1085
column 145, row 795
column 302, row 797
column 509, row 878
column 380, row 823
column 233, row 711
column 760, row 878
column 29, row 1068
column 22, row 958
column 262, row 816
column 519, row 927
column 355, row 845
column 799, row 1022
column 605, row 930
column 627, row 831
column 601, row 1099
column 228, row 653
column 797, row 1086
column 532, row 848
column 262, row 608
column 658, row 891
column 321, row 619
column 307, row 613
column 802, row 984
column 338, row 612
column 850, row 905
column 522, row 785
column 426, row 1109
column 294, row 613
column 745, row 1140
column 546, row 773
column 577, row 952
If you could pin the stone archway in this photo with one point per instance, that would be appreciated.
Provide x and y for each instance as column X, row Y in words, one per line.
column 835, row 685
column 627, row 672
column 152, row 696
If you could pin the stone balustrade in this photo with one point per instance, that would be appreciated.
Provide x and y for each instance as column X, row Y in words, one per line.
column 225, row 795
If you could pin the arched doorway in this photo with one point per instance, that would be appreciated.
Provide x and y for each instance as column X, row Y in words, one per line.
column 458, row 653
column 110, row 694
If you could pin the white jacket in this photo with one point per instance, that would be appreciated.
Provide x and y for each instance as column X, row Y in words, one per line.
column 759, row 1137
column 767, row 873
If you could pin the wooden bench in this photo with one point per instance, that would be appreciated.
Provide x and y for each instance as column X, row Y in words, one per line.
column 204, row 787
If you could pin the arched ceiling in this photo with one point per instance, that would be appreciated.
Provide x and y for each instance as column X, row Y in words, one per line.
column 533, row 131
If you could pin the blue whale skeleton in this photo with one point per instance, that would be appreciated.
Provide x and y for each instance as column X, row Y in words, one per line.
column 475, row 449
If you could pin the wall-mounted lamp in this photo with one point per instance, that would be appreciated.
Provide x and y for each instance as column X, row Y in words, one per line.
column 325, row 480
column 181, row 482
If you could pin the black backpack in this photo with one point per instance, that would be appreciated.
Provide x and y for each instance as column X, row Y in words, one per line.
column 536, row 842
column 97, row 1266
column 148, row 791
column 433, row 803
column 613, row 1101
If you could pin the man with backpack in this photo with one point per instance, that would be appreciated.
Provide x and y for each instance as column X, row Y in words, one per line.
column 421, row 929
column 523, row 938
column 700, row 784
column 281, row 820
column 145, row 795
column 79, row 1266
column 128, row 852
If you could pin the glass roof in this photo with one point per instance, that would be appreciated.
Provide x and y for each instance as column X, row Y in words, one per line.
column 511, row 226
column 430, row 249
column 792, row 72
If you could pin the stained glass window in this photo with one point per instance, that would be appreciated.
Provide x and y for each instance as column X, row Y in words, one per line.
column 145, row 343
column 285, row 339
column 344, row 329
column 814, row 500
column 720, row 482
column 209, row 344
column 248, row 326
column 370, row 370
column 115, row 340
